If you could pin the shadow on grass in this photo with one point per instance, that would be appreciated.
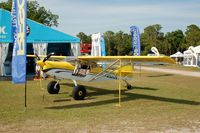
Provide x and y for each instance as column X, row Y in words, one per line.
column 62, row 100
column 5, row 78
column 100, row 91
column 144, row 88
column 67, row 84
column 127, row 96
column 162, row 75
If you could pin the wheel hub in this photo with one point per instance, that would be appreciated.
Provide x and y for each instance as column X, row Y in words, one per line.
column 80, row 93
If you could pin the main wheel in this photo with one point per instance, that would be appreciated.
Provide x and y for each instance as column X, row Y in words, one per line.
column 79, row 92
column 53, row 87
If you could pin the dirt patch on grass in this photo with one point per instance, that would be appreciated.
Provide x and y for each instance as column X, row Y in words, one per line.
column 45, row 126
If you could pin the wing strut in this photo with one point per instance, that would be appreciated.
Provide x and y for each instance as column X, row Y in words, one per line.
column 120, row 79
column 100, row 74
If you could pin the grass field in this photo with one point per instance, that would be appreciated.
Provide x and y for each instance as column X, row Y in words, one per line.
column 178, row 67
column 159, row 102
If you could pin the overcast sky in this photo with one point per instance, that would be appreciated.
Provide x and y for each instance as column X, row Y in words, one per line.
column 91, row 16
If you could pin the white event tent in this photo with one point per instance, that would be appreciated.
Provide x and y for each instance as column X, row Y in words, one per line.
column 192, row 56
column 178, row 57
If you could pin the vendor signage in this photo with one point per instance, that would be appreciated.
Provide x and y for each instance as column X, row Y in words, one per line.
column 3, row 33
column 19, row 41
column 135, row 40
column 3, row 30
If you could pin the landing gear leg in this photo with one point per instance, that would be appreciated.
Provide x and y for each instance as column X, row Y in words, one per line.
column 128, row 86
column 75, row 83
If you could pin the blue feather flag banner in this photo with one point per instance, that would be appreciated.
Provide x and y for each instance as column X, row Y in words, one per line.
column 19, row 41
column 103, row 50
column 136, row 47
column 103, row 46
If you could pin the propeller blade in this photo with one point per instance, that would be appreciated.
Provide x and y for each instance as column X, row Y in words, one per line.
column 48, row 56
column 37, row 57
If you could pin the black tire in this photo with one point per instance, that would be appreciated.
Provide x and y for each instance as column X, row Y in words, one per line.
column 129, row 87
column 52, row 89
column 79, row 92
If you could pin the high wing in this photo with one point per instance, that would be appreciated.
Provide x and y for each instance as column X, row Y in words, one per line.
column 122, row 66
column 134, row 59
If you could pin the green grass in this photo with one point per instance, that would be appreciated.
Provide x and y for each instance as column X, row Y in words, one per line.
column 159, row 102
column 178, row 67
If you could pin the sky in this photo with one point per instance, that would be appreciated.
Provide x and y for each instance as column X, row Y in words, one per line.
column 92, row 16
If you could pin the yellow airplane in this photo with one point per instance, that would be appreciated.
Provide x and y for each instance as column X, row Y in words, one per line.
column 92, row 68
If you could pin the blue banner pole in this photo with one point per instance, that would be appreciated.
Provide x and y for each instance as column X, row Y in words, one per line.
column 136, row 47
column 19, row 12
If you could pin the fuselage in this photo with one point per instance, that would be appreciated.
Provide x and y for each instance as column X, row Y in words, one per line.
column 67, row 70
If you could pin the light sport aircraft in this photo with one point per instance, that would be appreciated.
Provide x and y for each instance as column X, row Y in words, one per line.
column 91, row 69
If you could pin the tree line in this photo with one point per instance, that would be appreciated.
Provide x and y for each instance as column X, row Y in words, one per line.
column 120, row 43
column 35, row 12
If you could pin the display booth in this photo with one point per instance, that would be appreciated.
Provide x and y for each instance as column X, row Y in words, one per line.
column 41, row 40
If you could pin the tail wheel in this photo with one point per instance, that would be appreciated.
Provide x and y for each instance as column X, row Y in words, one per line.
column 53, row 87
column 129, row 87
column 79, row 92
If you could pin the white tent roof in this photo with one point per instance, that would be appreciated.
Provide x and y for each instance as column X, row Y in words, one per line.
column 192, row 50
column 197, row 49
column 177, row 54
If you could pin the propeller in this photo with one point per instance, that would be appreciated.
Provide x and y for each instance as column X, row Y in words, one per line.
column 37, row 57
column 48, row 56
column 39, row 73
column 40, row 63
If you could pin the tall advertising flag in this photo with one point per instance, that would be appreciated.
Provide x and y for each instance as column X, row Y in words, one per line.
column 136, row 47
column 103, row 46
column 103, row 50
column 19, row 41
